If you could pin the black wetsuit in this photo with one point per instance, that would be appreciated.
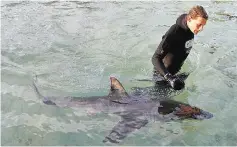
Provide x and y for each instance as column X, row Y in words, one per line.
column 173, row 49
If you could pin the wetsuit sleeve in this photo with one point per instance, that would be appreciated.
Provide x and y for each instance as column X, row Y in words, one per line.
column 164, row 47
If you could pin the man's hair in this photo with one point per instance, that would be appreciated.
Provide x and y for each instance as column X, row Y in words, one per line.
column 198, row 11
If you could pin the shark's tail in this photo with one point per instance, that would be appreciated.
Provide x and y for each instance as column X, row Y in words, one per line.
column 39, row 95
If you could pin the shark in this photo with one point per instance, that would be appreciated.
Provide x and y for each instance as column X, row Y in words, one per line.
column 135, row 111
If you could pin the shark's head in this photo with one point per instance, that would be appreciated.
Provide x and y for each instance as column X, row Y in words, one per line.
column 188, row 111
column 183, row 110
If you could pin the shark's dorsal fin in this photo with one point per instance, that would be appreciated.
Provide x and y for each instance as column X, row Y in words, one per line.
column 117, row 91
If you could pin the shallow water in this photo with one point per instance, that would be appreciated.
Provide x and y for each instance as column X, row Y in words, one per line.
column 74, row 47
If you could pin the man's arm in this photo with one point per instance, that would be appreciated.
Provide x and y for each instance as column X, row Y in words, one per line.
column 157, row 61
column 166, row 45
column 163, row 48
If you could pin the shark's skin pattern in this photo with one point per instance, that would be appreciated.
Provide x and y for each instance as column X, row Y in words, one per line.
column 135, row 111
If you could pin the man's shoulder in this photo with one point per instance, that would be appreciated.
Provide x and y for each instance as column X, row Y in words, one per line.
column 178, row 21
column 172, row 29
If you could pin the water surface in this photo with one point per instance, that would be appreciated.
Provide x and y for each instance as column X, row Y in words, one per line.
column 74, row 47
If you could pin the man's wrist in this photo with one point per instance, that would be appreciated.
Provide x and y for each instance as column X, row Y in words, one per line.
column 167, row 75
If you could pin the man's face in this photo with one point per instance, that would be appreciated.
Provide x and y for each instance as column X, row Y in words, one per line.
column 196, row 24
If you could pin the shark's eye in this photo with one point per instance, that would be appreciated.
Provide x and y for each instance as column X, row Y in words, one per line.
column 197, row 110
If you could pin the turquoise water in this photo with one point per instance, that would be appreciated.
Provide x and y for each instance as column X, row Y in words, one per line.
column 74, row 47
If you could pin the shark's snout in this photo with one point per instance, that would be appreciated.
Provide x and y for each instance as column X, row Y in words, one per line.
column 203, row 115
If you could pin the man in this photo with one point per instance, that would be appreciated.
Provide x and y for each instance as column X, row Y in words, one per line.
column 176, row 44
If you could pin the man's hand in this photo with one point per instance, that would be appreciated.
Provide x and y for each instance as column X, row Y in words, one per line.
column 174, row 81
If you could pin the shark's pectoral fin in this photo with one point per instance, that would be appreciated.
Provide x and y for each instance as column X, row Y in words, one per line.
column 123, row 128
